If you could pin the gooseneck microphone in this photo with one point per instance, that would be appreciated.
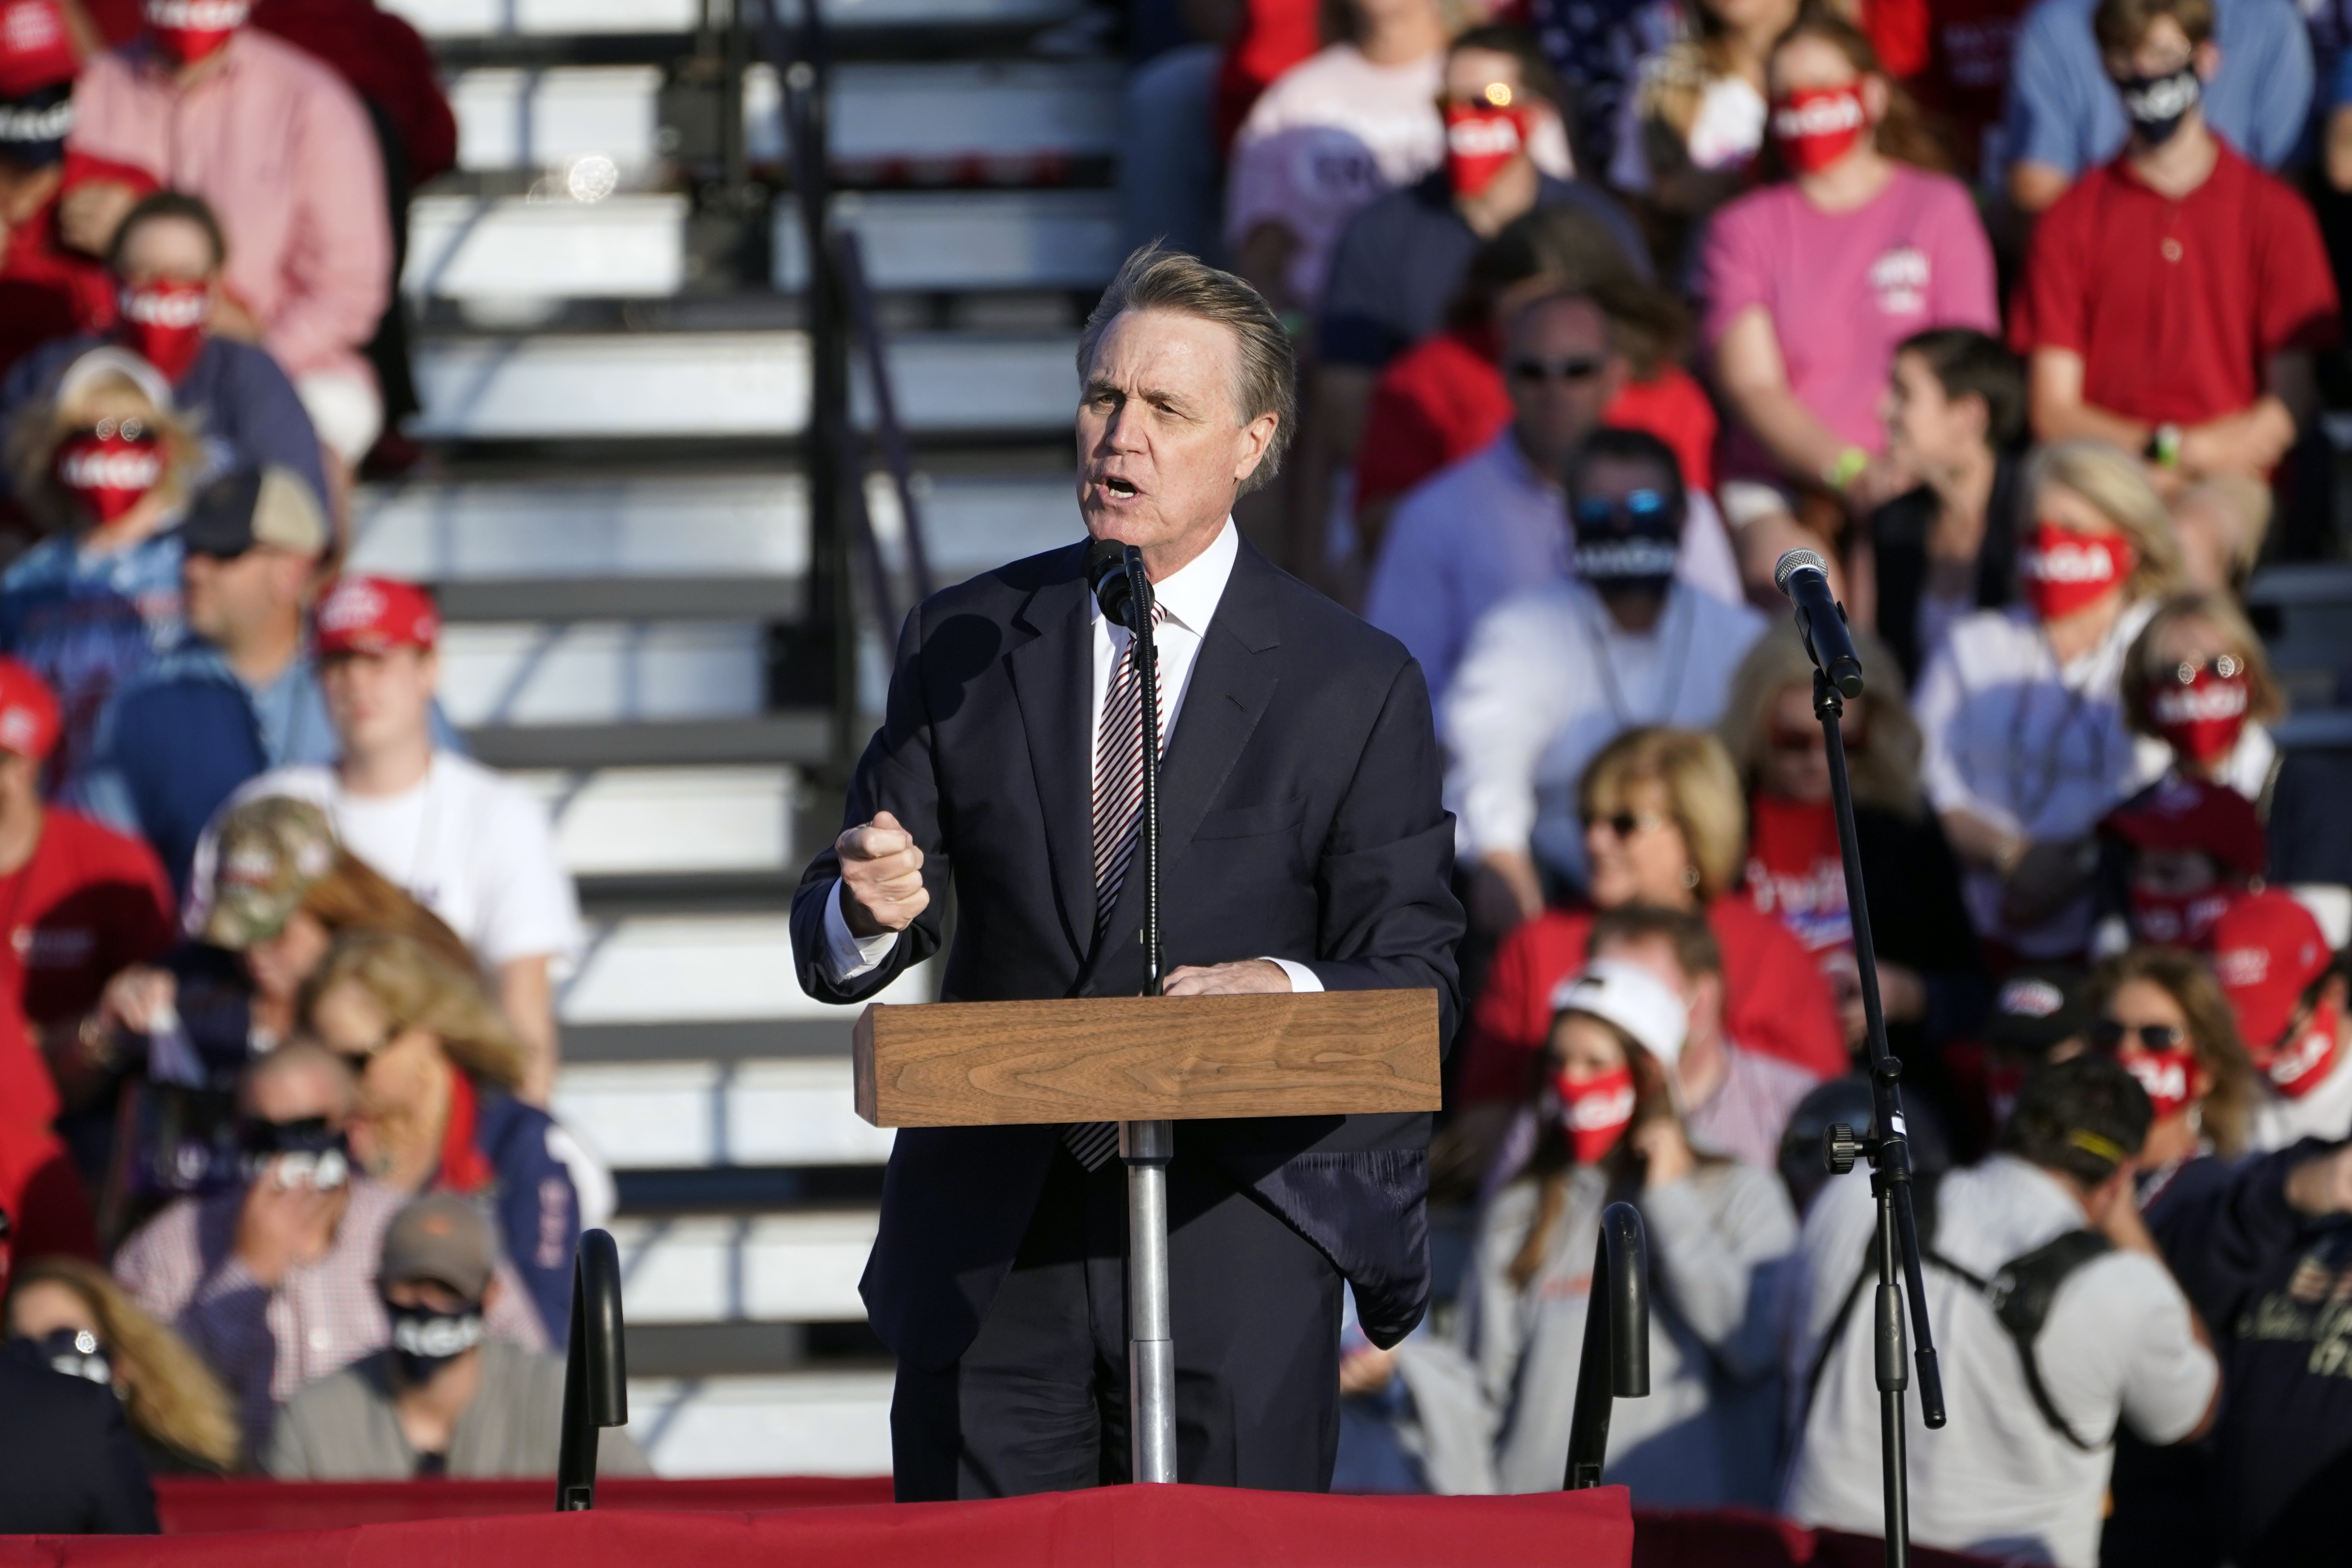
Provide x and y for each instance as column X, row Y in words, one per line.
column 1112, row 571
column 1804, row 577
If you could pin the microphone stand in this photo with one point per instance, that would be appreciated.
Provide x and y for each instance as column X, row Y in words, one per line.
column 1888, row 1149
column 1148, row 1147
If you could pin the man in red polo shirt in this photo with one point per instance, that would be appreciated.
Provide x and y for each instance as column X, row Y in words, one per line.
column 2175, row 298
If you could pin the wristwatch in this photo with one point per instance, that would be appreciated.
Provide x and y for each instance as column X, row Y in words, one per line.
column 2163, row 447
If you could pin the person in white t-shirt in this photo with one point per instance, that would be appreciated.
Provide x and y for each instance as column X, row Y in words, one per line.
column 2020, row 1472
column 472, row 847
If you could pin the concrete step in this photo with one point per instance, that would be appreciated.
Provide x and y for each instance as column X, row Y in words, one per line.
column 741, row 385
column 804, row 1423
column 961, row 121
column 491, row 537
column 687, row 1115
column 730, row 968
column 2307, row 607
column 493, row 248
column 522, row 674
column 961, row 240
column 780, row 1267
column 798, row 737
column 615, row 823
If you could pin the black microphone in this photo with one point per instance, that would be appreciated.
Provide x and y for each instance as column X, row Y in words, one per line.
column 1112, row 569
column 1804, row 577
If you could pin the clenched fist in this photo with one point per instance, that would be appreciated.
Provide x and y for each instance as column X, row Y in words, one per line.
column 881, row 877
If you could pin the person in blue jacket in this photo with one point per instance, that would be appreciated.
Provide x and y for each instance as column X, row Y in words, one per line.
column 438, row 1066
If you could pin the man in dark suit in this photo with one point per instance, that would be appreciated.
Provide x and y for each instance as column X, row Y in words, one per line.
column 1303, row 849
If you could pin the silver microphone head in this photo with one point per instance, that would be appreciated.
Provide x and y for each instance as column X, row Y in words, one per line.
column 1795, row 561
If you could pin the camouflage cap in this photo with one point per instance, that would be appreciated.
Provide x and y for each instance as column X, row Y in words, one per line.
column 271, row 851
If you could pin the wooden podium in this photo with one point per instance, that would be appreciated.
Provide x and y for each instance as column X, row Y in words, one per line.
column 1147, row 1063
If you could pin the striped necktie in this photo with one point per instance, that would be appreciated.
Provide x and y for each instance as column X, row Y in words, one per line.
column 1118, row 805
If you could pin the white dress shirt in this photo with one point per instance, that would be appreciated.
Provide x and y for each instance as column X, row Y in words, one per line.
column 1188, row 600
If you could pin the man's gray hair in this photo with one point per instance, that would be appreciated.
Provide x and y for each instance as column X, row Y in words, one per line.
column 1152, row 279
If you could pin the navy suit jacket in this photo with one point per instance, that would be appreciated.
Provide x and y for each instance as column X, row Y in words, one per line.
column 1300, row 818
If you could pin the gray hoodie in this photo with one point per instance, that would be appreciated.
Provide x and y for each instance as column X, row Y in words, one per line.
column 1706, row 1435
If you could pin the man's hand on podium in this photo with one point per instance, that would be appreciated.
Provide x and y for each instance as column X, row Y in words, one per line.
column 1248, row 977
column 882, row 879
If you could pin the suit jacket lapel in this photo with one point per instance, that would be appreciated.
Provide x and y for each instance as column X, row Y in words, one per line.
column 1052, row 678
column 1233, row 680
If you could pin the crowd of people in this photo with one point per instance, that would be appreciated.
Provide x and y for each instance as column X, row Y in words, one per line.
column 277, row 1022
column 2021, row 315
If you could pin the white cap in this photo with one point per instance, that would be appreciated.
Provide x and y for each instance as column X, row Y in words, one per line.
column 1618, row 991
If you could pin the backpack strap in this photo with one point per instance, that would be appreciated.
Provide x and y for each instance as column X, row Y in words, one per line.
column 1923, row 1214
column 2021, row 1295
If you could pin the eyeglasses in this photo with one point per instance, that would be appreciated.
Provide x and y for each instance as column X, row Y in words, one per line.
column 129, row 428
column 2109, row 1035
column 1493, row 95
column 1575, row 368
column 1625, row 824
column 2228, row 666
column 1622, row 514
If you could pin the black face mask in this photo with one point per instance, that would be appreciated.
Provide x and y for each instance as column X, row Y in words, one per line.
column 2157, row 105
column 426, row 1339
column 304, row 1153
column 76, row 1354
column 1629, row 544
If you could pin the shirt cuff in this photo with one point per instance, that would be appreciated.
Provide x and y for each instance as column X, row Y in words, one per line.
column 1302, row 978
column 847, row 955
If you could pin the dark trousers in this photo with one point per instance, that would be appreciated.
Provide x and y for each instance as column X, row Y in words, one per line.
column 1038, row 1403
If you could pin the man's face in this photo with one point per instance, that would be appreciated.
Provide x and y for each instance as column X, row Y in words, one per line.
column 235, row 601
column 2163, row 49
column 1162, row 449
column 379, row 699
column 1557, row 364
column 1702, row 995
column 167, row 250
column 295, row 1093
column 1934, row 432
column 1470, row 72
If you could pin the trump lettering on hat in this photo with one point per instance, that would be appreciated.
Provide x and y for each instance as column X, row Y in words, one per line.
column 374, row 615
column 28, row 713
column 35, row 51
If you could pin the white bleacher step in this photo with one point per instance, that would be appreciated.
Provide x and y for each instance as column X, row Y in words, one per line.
column 642, row 530
column 513, row 247
column 600, row 672
column 713, row 968
column 453, row 20
column 772, row 1268
column 817, row 1423
column 687, row 1115
column 637, row 821
column 963, row 240
column 689, row 385
column 956, row 120
column 800, row 737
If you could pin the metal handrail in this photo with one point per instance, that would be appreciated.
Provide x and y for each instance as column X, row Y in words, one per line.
column 595, row 1369
column 1616, row 1363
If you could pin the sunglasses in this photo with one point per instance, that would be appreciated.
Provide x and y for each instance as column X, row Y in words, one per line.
column 1575, row 368
column 2225, row 665
column 1625, row 824
column 129, row 429
column 2109, row 1035
column 1623, row 515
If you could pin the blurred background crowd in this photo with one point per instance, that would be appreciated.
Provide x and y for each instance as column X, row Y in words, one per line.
column 2025, row 316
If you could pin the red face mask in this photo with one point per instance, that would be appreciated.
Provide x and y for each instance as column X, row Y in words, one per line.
column 190, row 30
column 110, row 471
column 2177, row 919
column 1596, row 1113
column 164, row 323
column 1814, row 127
column 1480, row 141
column 2202, row 719
column 2063, row 572
column 2165, row 1075
column 2302, row 1064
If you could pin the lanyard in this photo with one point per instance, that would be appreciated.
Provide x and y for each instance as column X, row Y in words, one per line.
column 2049, row 760
column 1673, row 688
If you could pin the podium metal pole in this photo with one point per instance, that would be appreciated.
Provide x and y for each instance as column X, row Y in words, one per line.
column 1146, row 1146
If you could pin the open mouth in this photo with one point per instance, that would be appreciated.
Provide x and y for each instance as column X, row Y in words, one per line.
column 1123, row 488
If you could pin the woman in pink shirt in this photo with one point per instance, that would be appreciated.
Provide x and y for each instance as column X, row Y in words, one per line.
column 1813, row 280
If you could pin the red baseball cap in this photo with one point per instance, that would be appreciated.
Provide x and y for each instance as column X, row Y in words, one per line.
column 2267, row 950
column 373, row 615
column 35, row 49
column 28, row 712
column 2195, row 814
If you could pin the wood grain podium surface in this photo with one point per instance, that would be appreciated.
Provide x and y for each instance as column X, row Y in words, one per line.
column 1112, row 1059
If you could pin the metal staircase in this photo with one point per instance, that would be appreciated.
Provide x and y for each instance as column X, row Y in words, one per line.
column 646, row 626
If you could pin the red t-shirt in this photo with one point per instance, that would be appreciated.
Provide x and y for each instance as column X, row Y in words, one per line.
column 42, row 1194
column 1969, row 46
column 1443, row 399
column 47, row 290
column 1775, row 1000
column 2175, row 307
column 89, row 901
column 1795, row 873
